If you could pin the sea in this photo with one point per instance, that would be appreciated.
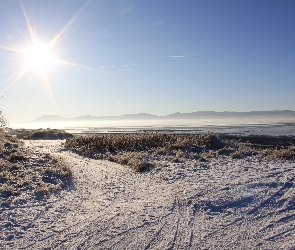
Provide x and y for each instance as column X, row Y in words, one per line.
column 243, row 130
column 235, row 128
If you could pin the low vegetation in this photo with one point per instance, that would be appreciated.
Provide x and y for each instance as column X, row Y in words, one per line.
column 142, row 150
column 135, row 150
column 3, row 120
column 44, row 134
column 25, row 174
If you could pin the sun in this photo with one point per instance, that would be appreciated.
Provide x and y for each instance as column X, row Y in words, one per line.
column 39, row 57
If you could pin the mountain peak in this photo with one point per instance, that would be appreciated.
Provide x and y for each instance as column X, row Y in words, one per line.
column 50, row 118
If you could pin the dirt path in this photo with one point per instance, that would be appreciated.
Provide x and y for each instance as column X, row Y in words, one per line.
column 220, row 204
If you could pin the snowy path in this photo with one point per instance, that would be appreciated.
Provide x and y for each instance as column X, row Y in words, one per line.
column 220, row 204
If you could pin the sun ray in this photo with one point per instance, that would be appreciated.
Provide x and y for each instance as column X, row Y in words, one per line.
column 48, row 86
column 38, row 55
column 18, row 76
column 28, row 23
column 17, row 50
column 69, row 23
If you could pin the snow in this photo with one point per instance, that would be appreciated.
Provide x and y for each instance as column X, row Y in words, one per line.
column 218, row 204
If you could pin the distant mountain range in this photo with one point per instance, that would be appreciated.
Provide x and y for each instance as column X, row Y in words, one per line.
column 276, row 114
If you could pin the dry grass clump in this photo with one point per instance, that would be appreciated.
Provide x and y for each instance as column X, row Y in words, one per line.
column 27, row 174
column 160, row 151
column 141, row 142
column 141, row 151
column 127, row 149
column 44, row 134
column 237, row 154
column 119, row 142
column 138, row 164
column 288, row 154
column 283, row 154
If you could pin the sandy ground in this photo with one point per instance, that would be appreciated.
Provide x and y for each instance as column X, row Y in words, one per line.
column 219, row 204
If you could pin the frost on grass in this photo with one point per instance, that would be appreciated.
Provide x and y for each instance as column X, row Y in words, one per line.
column 142, row 151
column 135, row 150
column 25, row 174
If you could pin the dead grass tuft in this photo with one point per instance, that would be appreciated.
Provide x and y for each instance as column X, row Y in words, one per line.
column 287, row 154
column 128, row 149
column 25, row 173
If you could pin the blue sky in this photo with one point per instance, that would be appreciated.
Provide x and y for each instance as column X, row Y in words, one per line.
column 155, row 56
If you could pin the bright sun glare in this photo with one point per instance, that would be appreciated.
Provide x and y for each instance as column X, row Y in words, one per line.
column 39, row 57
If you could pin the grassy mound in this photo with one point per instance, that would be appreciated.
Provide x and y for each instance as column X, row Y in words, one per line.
column 24, row 174
column 43, row 134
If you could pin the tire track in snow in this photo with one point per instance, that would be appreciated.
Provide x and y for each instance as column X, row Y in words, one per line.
column 110, row 207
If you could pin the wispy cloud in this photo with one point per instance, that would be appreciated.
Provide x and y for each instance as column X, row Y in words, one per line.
column 183, row 56
column 126, row 10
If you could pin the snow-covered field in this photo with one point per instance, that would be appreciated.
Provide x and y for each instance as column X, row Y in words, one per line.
column 218, row 204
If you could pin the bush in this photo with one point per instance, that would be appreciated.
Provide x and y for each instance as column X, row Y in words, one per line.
column 3, row 120
column 288, row 154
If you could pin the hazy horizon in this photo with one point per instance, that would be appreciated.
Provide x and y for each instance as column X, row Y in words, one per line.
column 196, row 119
column 109, row 58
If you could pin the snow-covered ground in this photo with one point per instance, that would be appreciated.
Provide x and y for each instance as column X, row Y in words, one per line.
column 218, row 204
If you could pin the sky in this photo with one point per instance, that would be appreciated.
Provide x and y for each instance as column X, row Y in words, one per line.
column 135, row 56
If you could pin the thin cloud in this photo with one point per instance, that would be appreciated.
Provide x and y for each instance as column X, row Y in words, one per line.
column 183, row 56
column 126, row 10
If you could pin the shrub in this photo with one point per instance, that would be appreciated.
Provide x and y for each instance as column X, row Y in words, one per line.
column 3, row 120
column 288, row 154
